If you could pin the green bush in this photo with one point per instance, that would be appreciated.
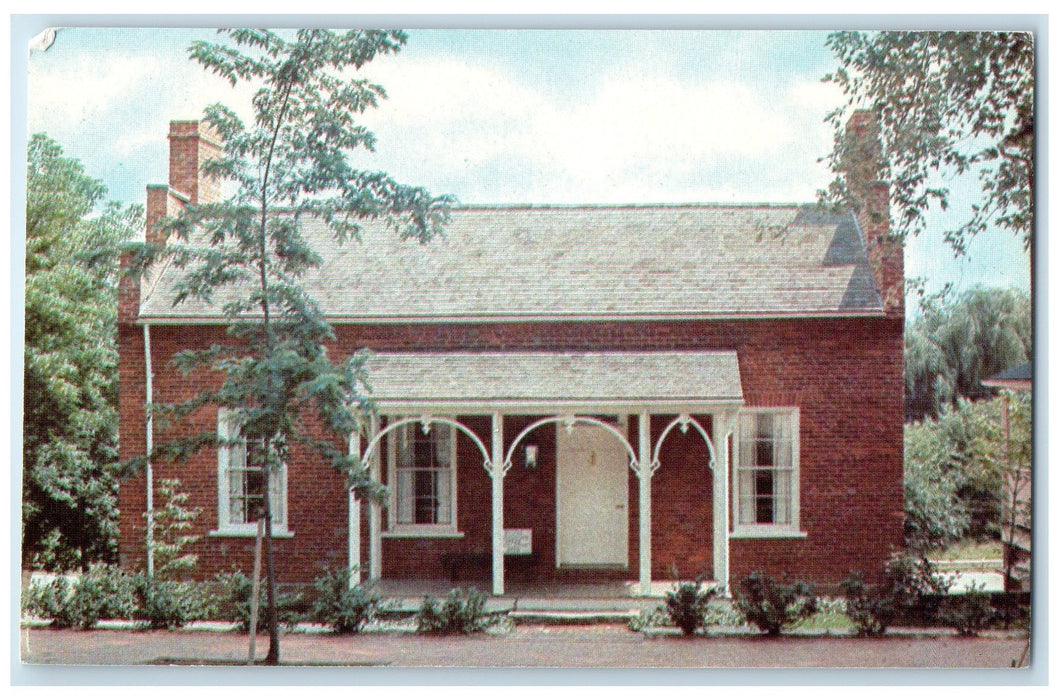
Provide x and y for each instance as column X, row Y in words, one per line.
column 343, row 607
column 871, row 610
column 968, row 613
column 774, row 607
column 459, row 613
column 104, row 592
column 686, row 605
column 168, row 604
column 237, row 589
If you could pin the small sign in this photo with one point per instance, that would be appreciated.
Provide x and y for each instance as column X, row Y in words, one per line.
column 518, row 541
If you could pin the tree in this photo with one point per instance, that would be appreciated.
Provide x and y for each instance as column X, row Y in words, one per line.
column 956, row 343
column 949, row 103
column 961, row 473
column 69, row 488
column 291, row 162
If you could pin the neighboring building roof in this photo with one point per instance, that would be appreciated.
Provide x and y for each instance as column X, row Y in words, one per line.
column 1018, row 378
column 587, row 262
column 555, row 379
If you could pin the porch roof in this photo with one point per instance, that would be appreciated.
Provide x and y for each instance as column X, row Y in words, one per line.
column 531, row 381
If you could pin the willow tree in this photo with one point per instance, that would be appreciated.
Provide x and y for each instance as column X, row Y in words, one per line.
column 289, row 163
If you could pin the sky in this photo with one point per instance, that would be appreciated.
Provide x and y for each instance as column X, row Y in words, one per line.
column 521, row 116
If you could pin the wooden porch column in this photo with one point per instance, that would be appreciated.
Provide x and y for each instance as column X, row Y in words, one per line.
column 498, row 504
column 354, row 521
column 374, row 513
column 721, row 427
column 645, row 504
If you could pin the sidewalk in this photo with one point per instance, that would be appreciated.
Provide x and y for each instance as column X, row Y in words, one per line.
column 591, row 646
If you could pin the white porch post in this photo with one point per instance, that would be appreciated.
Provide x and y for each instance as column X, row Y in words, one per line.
column 645, row 504
column 354, row 520
column 720, row 499
column 498, row 504
column 374, row 513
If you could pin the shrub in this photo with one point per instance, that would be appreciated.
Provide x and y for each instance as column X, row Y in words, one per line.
column 773, row 607
column 173, row 520
column 686, row 605
column 104, row 592
column 911, row 576
column 343, row 607
column 871, row 610
column 459, row 613
column 237, row 589
column 968, row 613
column 168, row 604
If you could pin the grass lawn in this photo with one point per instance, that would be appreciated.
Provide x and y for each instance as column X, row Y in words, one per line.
column 969, row 549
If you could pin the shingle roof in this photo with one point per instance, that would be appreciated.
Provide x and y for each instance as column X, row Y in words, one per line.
column 555, row 377
column 589, row 262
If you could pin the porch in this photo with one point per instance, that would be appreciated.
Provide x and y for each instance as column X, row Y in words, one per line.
column 609, row 420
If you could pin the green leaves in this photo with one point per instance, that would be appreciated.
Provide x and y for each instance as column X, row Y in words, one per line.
column 70, row 362
column 288, row 162
column 949, row 103
column 955, row 343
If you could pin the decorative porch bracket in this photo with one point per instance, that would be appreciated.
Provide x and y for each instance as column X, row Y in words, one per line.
column 651, row 463
column 371, row 458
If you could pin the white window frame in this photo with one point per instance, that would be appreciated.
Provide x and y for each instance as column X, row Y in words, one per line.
column 396, row 529
column 764, row 530
column 225, row 527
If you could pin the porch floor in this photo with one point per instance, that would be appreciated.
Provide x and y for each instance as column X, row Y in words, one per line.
column 612, row 596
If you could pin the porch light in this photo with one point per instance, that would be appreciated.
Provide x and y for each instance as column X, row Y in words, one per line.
column 531, row 457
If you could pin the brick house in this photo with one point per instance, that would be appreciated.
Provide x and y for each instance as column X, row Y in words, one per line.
column 570, row 394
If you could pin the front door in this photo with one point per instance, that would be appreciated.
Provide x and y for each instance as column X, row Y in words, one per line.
column 592, row 491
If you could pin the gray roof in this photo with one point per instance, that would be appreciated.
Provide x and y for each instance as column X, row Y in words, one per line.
column 554, row 378
column 587, row 262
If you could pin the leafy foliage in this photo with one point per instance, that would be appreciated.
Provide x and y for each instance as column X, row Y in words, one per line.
column 911, row 575
column 955, row 343
column 968, row 613
column 103, row 592
column 166, row 604
column 237, row 590
column 961, row 464
column 248, row 254
column 949, row 103
column 69, row 489
column 686, row 605
column 344, row 607
column 172, row 523
column 459, row 613
column 871, row 610
column 774, row 607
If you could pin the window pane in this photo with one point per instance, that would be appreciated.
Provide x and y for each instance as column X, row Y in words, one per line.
column 423, row 477
column 765, row 468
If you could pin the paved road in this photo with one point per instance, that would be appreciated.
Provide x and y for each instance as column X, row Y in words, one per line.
column 527, row 646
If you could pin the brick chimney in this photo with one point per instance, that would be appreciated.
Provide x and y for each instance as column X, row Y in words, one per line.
column 860, row 161
column 191, row 144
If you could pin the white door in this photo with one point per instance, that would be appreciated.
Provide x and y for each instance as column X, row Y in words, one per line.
column 592, row 493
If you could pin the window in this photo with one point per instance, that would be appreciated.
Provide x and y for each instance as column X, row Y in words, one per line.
column 241, row 483
column 422, row 468
column 766, row 491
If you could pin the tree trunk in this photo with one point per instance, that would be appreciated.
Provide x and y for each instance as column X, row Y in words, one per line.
column 272, row 659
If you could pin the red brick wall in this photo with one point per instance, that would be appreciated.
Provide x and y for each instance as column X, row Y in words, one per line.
column 845, row 375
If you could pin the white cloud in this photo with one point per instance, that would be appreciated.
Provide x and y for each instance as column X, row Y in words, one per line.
column 635, row 136
column 60, row 96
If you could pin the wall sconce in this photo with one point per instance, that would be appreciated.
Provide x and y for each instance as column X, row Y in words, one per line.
column 531, row 457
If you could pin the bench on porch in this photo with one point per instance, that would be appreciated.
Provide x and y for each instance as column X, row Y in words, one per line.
column 464, row 566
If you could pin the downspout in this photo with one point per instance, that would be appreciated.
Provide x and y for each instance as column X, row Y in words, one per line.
column 149, row 438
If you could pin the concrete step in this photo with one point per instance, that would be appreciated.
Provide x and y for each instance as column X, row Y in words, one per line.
column 572, row 617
